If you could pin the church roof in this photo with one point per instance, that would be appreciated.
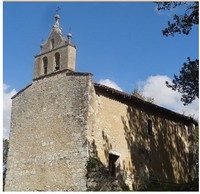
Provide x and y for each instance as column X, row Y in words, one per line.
column 126, row 99
column 142, row 104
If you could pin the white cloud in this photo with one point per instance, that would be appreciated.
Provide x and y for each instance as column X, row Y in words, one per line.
column 110, row 83
column 155, row 87
column 7, row 94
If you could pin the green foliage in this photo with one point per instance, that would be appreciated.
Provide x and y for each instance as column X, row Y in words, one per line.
column 137, row 93
column 187, row 83
column 92, row 163
column 125, row 187
column 5, row 150
column 196, row 135
column 184, row 22
column 160, row 186
column 5, row 154
column 99, row 174
column 196, row 151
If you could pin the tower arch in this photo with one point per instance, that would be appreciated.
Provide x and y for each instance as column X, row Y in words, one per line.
column 57, row 53
column 57, row 60
column 45, row 64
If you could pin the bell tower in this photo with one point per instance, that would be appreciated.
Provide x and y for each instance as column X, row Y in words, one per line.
column 57, row 53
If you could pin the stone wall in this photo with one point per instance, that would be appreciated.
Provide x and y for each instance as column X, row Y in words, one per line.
column 99, row 178
column 61, row 119
column 55, row 44
column 48, row 140
column 67, row 60
column 121, row 128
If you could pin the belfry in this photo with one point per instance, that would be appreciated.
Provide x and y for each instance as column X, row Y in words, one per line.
column 68, row 133
column 57, row 53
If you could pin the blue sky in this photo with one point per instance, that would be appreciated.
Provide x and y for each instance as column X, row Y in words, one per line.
column 120, row 42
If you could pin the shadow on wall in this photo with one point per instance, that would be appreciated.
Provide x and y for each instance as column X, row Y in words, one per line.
column 107, row 146
column 157, row 156
column 99, row 177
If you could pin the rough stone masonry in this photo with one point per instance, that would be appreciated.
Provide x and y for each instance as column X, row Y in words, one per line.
column 62, row 119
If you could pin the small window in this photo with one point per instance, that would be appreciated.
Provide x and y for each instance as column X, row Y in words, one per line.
column 52, row 43
column 149, row 127
column 112, row 164
column 45, row 64
column 57, row 61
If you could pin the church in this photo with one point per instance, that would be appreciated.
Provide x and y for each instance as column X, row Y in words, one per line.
column 63, row 119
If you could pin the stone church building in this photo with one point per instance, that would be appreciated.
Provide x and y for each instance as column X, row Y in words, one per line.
column 63, row 119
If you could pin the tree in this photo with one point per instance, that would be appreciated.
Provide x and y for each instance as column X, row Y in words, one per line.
column 196, row 152
column 5, row 154
column 182, row 23
column 187, row 83
column 5, row 150
column 137, row 93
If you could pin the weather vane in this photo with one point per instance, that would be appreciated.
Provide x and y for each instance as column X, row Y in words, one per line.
column 57, row 10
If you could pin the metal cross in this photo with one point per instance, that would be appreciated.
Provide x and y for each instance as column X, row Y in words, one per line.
column 57, row 10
